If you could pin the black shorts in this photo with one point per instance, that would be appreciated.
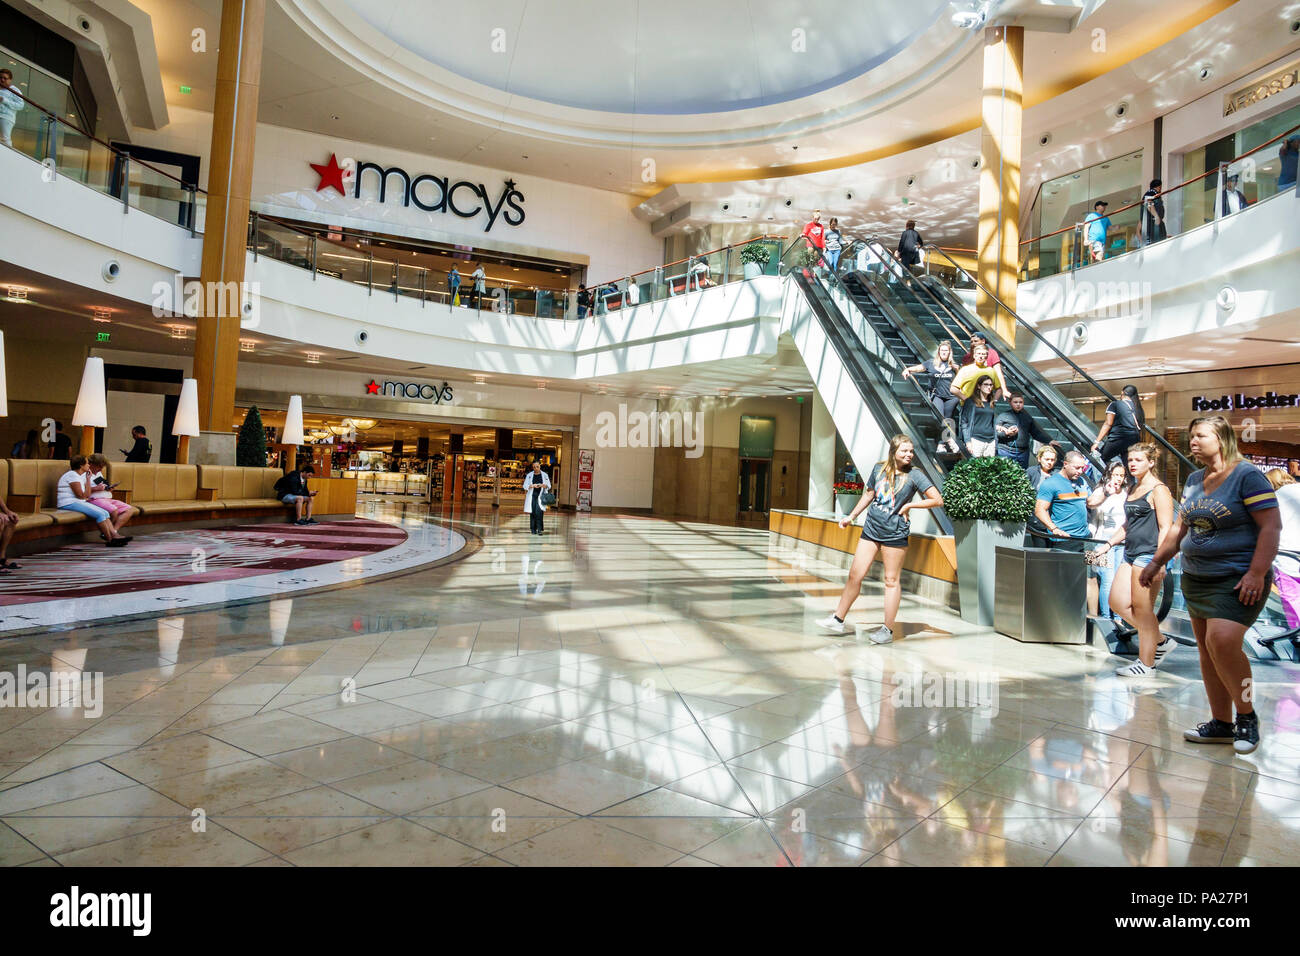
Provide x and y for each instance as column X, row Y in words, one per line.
column 1077, row 545
column 892, row 543
column 1217, row 597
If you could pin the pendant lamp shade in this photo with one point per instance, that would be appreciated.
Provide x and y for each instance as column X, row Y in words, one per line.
column 187, row 410
column 4, row 383
column 293, row 422
column 92, row 400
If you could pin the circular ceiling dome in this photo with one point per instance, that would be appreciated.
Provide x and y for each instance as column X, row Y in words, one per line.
column 652, row 56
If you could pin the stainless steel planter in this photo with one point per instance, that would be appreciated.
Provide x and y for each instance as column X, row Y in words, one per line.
column 977, row 543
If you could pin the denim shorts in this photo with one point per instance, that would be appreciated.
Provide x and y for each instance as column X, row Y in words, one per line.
column 290, row 499
column 1141, row 561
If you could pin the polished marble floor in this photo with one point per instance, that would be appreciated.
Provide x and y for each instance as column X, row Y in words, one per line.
column 620, row 691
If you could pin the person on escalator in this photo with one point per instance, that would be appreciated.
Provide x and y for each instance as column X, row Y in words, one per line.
column 910, row 244
column 1017, row 429
column 1148, row 514
column 887, row 499
column 977, row 339
column 978, row 415
column 1047, row 459
column 814, row 232
column 1123, row 426
column 834, row 240
column 942, row 370
column 963, row 384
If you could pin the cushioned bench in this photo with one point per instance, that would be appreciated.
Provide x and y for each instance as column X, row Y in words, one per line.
column 163, row 493
column 235, row 487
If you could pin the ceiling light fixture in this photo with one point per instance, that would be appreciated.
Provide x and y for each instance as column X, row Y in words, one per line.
column 179, row 331
column 18, row 293
column 313, row 358
column 480, row 379
column 247, row 345
column 101, row 315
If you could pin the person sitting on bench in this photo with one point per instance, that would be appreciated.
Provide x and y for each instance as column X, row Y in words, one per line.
column 292, row 489
column 74, row 496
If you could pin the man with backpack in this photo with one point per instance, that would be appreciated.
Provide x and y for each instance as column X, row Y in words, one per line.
column 292, row 490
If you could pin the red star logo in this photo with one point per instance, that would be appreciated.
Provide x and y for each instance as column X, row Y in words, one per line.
column 331, row 174
column 373, row 387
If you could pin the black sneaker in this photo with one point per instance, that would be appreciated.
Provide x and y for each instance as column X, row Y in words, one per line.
column 1213, row 731
column 1247, row 733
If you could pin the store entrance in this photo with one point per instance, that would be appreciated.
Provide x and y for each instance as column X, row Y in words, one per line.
column 426, row 461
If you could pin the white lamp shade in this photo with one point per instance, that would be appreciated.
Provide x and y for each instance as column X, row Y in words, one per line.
column 92, row 401
column 293, row 422
column 187, row 411
column 4, row 383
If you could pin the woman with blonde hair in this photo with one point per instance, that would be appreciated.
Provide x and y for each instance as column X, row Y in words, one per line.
column 1148, row 515
column 887, row 499
column 941, row 369
column 1227, row 529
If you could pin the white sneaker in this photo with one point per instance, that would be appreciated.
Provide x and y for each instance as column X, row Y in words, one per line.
column 1163, row 649
column 831, row 624
column 1136, row 669
column 882, row 635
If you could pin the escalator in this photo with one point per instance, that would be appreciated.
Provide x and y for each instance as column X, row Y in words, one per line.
column 859, row 378
column 941, row 314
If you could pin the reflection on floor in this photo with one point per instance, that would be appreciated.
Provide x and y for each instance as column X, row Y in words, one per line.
column 620, row 691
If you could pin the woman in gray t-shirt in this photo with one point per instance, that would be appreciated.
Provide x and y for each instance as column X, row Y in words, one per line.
column 1227, row 527
column 887, row 499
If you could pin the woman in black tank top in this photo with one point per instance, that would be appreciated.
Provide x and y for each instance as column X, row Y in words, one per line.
column 1148, row 514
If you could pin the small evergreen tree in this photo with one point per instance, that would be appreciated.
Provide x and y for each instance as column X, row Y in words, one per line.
column 250, row 448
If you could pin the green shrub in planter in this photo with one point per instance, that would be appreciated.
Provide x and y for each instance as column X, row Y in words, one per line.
column 250, row 446
column 988, row 489
column 756, row 253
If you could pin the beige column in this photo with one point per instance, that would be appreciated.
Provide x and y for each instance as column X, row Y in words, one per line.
column 821, row 458
column 230, row 179
column 999, row 223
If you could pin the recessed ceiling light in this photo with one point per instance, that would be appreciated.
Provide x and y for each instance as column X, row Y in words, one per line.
column 18, row 293
column 247, row 345
column 313, row 358
column 101, row 315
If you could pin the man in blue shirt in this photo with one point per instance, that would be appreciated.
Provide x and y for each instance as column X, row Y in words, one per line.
column 1096, row 224
column 1062, row 503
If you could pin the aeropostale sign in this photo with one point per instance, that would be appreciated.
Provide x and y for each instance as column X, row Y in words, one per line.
column 1262, row 89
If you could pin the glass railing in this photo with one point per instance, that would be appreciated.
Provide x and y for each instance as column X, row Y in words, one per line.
column 70, row 152
column 1228, row 189
column 706, row 270
column 352, row 258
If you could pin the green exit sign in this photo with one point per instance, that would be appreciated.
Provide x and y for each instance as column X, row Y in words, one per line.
column 103, row 336
column 187, row 89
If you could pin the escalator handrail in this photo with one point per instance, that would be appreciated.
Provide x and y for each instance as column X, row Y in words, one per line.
column 1159, row 439
column 890, row 262
column 910, row 379
column 1058, row 409
column 821, row 306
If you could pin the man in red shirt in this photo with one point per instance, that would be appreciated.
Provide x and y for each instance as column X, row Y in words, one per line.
column 815, row 232
column 977, row 339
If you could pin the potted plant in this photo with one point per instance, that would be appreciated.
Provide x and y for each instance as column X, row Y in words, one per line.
column 809, row 257
column 754, row 257
column 847, row 494
column 250, row 446
column 989, row 500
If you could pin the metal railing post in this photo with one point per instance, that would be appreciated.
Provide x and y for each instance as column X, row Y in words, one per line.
column 1220, row 197
column 256, row 232
column 192, row 202
column 726, row 269
column 397, row 277
column 126, row 183
column 315, row 252
column 370, row 272
column 424, row 283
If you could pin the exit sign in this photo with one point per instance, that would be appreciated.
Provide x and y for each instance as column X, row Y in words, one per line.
column 186, row 89
column 103, row 336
